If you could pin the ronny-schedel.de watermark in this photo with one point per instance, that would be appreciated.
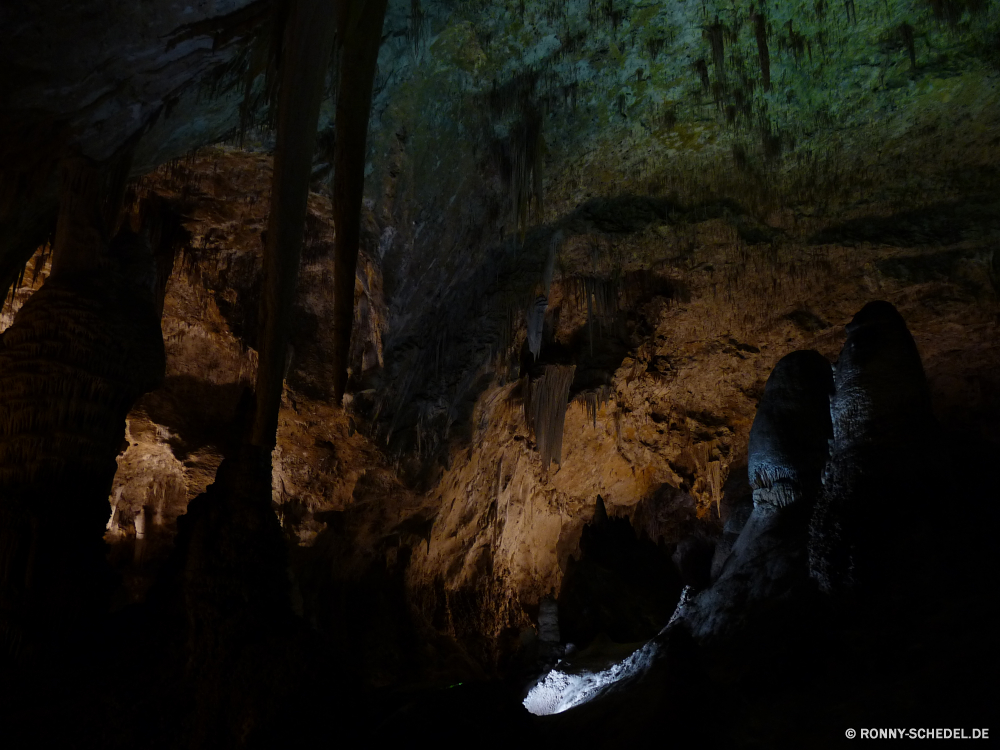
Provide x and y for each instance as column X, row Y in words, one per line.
column 905, row 733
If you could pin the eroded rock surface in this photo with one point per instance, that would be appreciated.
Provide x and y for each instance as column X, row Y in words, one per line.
column 462, row 523
column 646, row 204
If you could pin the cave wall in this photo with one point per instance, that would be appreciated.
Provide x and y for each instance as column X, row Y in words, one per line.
column 688, row 218
column 461, row 525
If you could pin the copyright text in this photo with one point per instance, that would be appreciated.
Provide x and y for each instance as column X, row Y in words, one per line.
column 918, row 734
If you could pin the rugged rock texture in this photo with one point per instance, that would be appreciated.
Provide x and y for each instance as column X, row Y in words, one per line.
column 789, row 440
column 768, row 563
column 590, row 235
column 76, row 357
column 746, row 637
column 179, row 434
column 883, row 446
column 462, row 522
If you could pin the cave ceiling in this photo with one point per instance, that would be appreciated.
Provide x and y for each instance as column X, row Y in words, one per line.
column 799, row 106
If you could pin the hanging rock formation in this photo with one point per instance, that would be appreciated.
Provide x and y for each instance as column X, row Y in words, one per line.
column 235, row 593
column 306, row 50
column 545, row 410
column 535, row 324
column 359, row 36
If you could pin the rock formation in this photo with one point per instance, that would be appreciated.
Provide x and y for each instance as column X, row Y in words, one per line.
column 881, row 452
column 86, row 346
column 788, row 450
column 436, row 279
column 765, row 613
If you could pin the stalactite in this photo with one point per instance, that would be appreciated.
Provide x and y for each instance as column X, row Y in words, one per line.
column 715, row 33
column 590, row 318
column 536, row 321
column 253, row 70
column 760, row 31
column 519, row 154
column 906, row 34
column 595, row 400
column 415, row 29
column 852, row 13
column 545, row 402
column 702, row 69
column 554, row 244
column 359, row 34
column 527, row 147
column 307, row 46
column 600, row 296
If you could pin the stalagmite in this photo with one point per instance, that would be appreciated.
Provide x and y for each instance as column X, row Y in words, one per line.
column 881, row 460
column 768, row 562
column 545, row 410
column 140, row 534
column 788, row 440
column 113, row 520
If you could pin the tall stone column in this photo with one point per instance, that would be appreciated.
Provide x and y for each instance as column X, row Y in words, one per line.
column 82, row 349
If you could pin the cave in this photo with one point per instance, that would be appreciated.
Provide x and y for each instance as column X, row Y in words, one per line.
column 498, row 373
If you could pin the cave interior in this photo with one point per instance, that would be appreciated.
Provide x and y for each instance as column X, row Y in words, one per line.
column 495, row 372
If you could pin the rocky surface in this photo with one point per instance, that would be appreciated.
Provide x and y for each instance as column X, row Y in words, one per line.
column 478, row 531
column 590, row 233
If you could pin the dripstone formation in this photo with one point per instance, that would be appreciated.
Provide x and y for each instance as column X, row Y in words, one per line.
column 496, row 372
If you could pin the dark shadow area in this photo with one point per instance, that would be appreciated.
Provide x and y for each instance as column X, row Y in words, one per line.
column 213, row 423
column 242, row 273
column 939, row 223
column 618, row 585
column 807, row 321
column 622, row 214
column 962, row 268
column 627, row 214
